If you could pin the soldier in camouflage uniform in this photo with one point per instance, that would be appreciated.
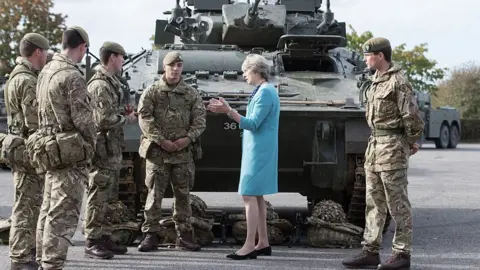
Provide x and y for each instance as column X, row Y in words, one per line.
column 21, row 105
column 63, row 146
column 172, row 118
column 106, row 94
column 394, row 118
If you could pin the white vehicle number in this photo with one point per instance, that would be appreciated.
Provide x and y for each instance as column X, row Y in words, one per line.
column 228, row 125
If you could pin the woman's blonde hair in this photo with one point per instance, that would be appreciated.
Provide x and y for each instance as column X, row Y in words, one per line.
column 257, row 63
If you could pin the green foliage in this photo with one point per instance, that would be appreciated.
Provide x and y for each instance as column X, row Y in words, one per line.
column 18, row 17
column 421, row 71
column 462, row 90
column 154, row 47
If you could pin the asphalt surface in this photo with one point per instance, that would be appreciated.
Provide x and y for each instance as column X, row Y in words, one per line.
column 443, row 191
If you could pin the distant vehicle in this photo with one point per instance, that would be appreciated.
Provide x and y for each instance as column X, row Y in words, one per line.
column 442, row 124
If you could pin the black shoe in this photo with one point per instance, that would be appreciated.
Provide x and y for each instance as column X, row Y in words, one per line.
column 251, row 255
column 24, row 266
column 95, row 249
column 266, row 251
column 112, row 246
column 185, row 242
column 396, row 262
column 149, row 243
column 363, row 260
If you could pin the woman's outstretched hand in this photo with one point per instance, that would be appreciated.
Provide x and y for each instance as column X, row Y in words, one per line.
column 218, row 105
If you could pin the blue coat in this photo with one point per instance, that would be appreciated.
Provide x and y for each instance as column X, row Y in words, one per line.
column 259, row 168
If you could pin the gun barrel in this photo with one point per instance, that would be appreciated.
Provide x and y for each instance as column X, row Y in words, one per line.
column 252, row 15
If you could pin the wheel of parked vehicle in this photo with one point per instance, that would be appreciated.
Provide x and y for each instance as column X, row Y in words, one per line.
column 454, row 137
column 444, row 138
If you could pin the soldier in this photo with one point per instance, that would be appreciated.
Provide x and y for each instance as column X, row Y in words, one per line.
column 394, row 118
column 107, row 97
column 172, row 118
column 63, row 146
column 21, row 105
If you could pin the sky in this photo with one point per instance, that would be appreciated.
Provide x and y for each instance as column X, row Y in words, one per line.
column 448, row 27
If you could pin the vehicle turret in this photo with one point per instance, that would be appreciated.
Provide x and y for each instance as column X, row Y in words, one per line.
column 246, row 25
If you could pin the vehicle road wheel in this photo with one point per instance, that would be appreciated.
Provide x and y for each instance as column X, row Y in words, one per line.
column 444, row 138
column 454, row 137
column 356, row 211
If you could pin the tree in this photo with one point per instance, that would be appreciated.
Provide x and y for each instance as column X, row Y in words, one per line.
column 19, row 17
column 462, row 90
column 154, row 47
column 421, row 71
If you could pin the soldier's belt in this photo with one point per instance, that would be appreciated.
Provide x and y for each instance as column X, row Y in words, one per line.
column 386, row 132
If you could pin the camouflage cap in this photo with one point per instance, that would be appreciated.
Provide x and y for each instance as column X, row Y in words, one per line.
column 172, row 57
column 375, row 44
column 114, row 47
column 37, row 40
column 82, row 33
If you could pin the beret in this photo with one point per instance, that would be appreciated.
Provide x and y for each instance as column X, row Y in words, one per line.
column 37, row 40
column 375, row 44
column 172, row 57
column 82, row 33
column 114, row 47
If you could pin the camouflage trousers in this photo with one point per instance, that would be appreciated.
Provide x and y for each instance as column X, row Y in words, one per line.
column 387, row 191
column 25, row 211
column 157, row 177
column 59, row 215
column 102, row 190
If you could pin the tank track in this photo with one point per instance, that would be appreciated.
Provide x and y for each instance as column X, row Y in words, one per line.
column 356, row 209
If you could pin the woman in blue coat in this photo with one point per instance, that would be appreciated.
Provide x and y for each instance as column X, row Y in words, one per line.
column 258, row 175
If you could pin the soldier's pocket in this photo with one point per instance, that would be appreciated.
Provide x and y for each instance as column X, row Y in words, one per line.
column 385, row 105
column 98, row 179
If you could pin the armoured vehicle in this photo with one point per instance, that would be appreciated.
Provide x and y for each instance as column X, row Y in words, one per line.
column 442, row 124
column 323, row 133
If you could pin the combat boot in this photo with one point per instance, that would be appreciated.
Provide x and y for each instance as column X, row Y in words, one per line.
column 149, row 243
column 365, row 259
column 112, row 246
column 185, row 242
column 95, row 249
column 24, row 266
column 397, row 261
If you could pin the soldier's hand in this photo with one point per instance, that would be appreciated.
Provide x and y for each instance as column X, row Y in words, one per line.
column 168, row 146
column 182, row 143
column 414, row 149
column 131, row 118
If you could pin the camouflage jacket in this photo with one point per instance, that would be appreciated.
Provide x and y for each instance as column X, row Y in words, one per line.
column 20, row 99
column 171, row 113
column 106, row 95
column 63, row 99
column 394, row 117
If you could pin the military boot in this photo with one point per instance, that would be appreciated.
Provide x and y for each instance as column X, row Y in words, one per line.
column 396, row 262
column 95, row 249
column 149, row 243
column 24, row 266
column 185, row 241
column 112, row 246
column 365, row 259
